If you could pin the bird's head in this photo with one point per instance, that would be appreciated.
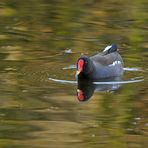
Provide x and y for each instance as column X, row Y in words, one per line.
column 84, row 66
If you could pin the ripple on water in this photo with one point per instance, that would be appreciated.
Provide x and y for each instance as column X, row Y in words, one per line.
column 110, row 82
column 130, row 69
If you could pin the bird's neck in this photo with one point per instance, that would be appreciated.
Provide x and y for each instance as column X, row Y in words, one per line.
column 90, row 68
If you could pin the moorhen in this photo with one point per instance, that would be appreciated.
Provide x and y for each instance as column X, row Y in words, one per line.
column 106, row 64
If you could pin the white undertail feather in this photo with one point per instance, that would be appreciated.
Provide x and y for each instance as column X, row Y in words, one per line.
column 107, row 48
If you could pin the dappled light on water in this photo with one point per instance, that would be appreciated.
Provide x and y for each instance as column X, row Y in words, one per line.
column 41, row 103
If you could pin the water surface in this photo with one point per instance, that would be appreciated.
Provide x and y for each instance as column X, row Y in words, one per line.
column 38, row 39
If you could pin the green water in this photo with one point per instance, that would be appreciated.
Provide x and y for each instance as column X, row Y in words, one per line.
column 38, row 113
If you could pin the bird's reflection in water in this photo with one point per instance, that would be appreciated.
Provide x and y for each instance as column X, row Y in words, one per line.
column 86, row 88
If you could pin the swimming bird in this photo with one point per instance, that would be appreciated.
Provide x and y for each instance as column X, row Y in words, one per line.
column 106, row 64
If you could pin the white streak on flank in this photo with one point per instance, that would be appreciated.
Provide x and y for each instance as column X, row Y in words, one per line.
column 115, row 63
column 107, row 48
column 125, row 68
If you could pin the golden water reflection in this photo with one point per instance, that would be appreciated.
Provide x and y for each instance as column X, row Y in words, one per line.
column 35, row 112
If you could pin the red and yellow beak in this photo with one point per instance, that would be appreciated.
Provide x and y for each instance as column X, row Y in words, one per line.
column 80, row 66
column 78, row 72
